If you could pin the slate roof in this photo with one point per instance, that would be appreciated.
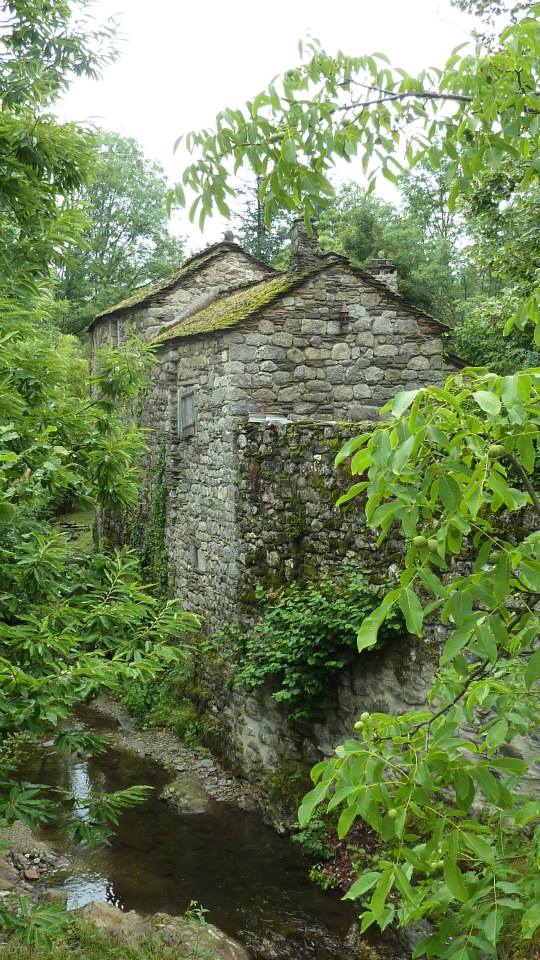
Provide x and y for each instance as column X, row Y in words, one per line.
column 190, row 266
column 233, row 307
column 238, row 305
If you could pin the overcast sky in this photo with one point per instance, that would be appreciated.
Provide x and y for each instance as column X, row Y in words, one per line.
column 180, row 63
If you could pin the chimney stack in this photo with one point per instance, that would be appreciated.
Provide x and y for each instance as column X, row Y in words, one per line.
column 384, row 270
column 305, row 253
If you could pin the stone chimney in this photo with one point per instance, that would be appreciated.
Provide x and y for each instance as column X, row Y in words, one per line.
column 305, row 252
column 384, row 270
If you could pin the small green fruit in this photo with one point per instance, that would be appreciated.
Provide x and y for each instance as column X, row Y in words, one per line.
column 359, row 725
column 419, row 541
column 392, row 813
column 496, row 450
column 432, row 544
column 439, row 864
column 364, row 716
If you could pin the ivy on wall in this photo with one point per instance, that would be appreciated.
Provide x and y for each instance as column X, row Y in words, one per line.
column 148, row 535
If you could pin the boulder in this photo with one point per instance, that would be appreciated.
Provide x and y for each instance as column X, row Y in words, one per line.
column 8, row 875
column 192, row 938
column 129, row 926
column 186, row 794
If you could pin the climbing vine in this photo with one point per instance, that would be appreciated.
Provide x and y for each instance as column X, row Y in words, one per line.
column 148, row 534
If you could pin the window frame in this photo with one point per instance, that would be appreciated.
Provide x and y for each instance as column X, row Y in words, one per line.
column 114, row 332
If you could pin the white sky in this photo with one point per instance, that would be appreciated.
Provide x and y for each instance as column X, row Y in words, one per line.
column 181, row 62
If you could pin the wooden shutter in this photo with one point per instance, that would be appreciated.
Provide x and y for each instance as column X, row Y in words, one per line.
column 186, row 412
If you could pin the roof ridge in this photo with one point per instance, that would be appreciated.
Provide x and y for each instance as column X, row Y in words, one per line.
column 189, row 266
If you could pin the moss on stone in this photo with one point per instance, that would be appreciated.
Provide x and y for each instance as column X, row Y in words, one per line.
column 231, row 309
column 287, row 785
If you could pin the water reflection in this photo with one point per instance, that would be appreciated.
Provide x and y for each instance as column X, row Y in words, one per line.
column 253, row 882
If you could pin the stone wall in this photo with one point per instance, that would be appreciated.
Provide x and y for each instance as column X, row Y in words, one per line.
column 258, row 736
column 336, row 348
column 215, row 274
column 289, row 528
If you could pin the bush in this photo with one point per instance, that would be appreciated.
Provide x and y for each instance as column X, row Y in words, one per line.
column 305, row 638
column 177, row 702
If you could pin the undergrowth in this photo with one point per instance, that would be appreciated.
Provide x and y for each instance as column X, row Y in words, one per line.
column 87, row 942
column 177, row 702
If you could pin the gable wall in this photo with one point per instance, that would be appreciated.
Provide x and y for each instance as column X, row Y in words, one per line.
column 200, row 476
column 146, row 320
column 334, row 349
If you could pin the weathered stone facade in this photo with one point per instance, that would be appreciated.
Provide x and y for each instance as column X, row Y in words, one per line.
column 239, row 344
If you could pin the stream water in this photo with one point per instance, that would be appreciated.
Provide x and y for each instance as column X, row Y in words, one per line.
column 252, row 882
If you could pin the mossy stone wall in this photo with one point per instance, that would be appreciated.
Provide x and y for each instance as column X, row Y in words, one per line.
column 288, row 525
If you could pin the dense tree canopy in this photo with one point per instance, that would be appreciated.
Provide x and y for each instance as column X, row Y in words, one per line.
column 126, row 241
column 68, row 624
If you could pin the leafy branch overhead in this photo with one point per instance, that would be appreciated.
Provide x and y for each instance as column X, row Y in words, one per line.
column 481, row 107
column 455, row 470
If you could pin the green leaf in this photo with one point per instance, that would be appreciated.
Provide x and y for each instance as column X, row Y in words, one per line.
column 497, row 734
column 368, row 633
column 312, row 800
column 412, row 611
column 352, row 492
column 489, row 402
column 456, row 641
column 365, row 882
column 449, row 493
column 530, row 921
column 346, row 821
column 454, row 880
column 532, row 671
column 402, row 454
column 480, row 847
column 400, row 402
column 464, row 787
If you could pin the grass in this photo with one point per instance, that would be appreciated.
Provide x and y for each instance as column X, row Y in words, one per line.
column 86, row 942
column 77, row 526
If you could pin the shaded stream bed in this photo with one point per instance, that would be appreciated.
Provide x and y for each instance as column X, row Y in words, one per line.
column 253, row 882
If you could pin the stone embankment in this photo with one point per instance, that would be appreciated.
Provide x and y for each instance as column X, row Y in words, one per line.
column 198, row 778
column 193, row 938
column 27, row 865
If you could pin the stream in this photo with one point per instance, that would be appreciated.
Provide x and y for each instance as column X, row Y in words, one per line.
column 252, row 882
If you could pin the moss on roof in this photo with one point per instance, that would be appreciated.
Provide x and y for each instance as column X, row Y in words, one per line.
column 228, row 310
column 194, row 264
column 150, row 289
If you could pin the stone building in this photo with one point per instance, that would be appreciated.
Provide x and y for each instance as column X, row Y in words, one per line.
column 261, row 374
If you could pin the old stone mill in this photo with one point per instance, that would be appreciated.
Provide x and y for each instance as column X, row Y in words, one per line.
column 261, row 376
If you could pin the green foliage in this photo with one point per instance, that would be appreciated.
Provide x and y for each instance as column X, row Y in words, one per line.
column 303, row 638
column 69, row 625
column 451, row 461
column 148, row 535
column 126, row 241
column 35, row 924
column 313, row 838
column 72, row 940
column 323, row 880
column 265, row 242
column 421, row 238
column 177, row 701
